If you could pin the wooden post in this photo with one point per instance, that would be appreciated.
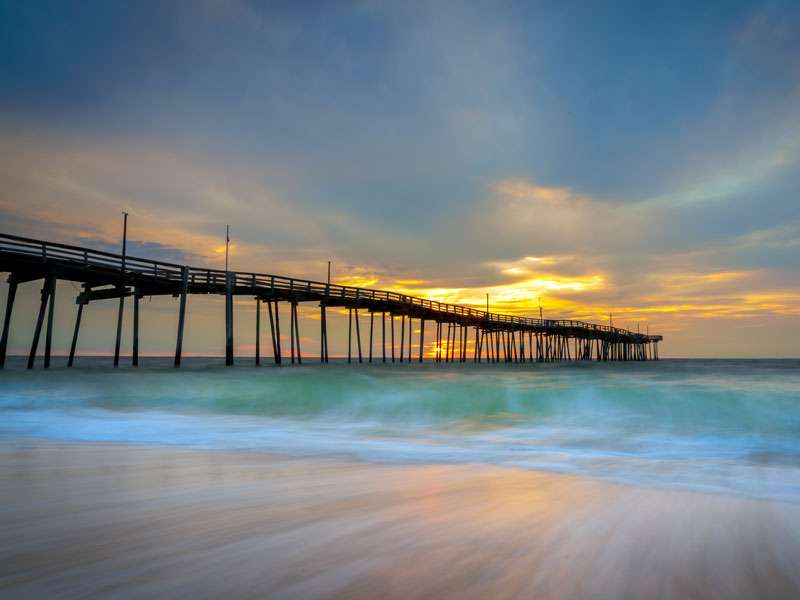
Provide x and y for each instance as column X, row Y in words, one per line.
column 371, row 327
column 278, row 332
column 135, row 349
column 349, row 335
column 45, row 295
column 358, row 335
column 391, row 323
column 119, row 324
column 229, row 318
column 291, row 328
column 12, row 294
column 439, row 331
column 421, row 338
column 182, row 315
column 75, row 336
column 383, row 335
column 297, row 333
column 410, row 331
column 48, row 339
column 258, row 332
column 451, row 342
column 402, row 335
column 274, row 330
column 323, row 334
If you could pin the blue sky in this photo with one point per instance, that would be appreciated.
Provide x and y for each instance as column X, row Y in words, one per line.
column 651, row 146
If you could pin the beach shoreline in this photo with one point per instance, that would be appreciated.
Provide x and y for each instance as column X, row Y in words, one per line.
column 117, row 520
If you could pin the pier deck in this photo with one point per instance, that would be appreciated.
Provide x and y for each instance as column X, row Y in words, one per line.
column 496, row 337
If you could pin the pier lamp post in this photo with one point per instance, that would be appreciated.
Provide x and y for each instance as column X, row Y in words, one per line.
column 124, row 238
column 329, row 273
column 227, row 244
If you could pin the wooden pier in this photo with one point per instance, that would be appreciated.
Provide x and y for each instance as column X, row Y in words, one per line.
column 495, row 337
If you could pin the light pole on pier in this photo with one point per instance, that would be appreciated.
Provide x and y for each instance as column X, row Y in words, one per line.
column 124, row 238
column 227, row 244
column 329, row 272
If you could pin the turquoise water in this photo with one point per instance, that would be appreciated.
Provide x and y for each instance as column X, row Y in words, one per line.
column 721, row 426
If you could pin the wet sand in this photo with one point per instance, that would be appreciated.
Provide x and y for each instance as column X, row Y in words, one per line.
column 115, row 521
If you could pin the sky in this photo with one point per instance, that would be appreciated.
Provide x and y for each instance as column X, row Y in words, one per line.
column 592, row 158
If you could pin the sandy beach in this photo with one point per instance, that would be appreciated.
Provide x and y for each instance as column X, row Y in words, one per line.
column 99, row 520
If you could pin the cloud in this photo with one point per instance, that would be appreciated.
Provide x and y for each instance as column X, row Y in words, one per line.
column 74, row 188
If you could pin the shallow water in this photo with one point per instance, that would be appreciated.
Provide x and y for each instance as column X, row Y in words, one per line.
column 726, row 426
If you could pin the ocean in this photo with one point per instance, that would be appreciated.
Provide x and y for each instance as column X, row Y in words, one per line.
column 720, row 426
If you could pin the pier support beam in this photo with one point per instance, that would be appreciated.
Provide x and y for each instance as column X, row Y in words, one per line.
column 181, row 315
column 421, row 338
column 358, row 336
column 47, row 288
column 391, row 323
column 74, row 344
column 383, row 336
column 291, row 329
column 296, row 333
column 275, row 332
column 323, row 334
column 410, row 331
column 258, row 332
column 12, row 294
column 48, row 339
column 120, row 311
column 135, row 350
column 229, row 318
column 371, row 328
column 402, row 335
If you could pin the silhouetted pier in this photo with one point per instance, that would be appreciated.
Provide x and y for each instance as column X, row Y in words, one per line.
column 494, row 337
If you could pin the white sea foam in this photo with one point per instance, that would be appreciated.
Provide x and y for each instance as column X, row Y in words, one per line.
column 724, row 426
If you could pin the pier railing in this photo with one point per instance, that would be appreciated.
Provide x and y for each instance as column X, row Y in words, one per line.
column 158, row 270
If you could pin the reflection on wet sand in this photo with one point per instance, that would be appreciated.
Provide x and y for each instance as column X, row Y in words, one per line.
column 95, row 520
